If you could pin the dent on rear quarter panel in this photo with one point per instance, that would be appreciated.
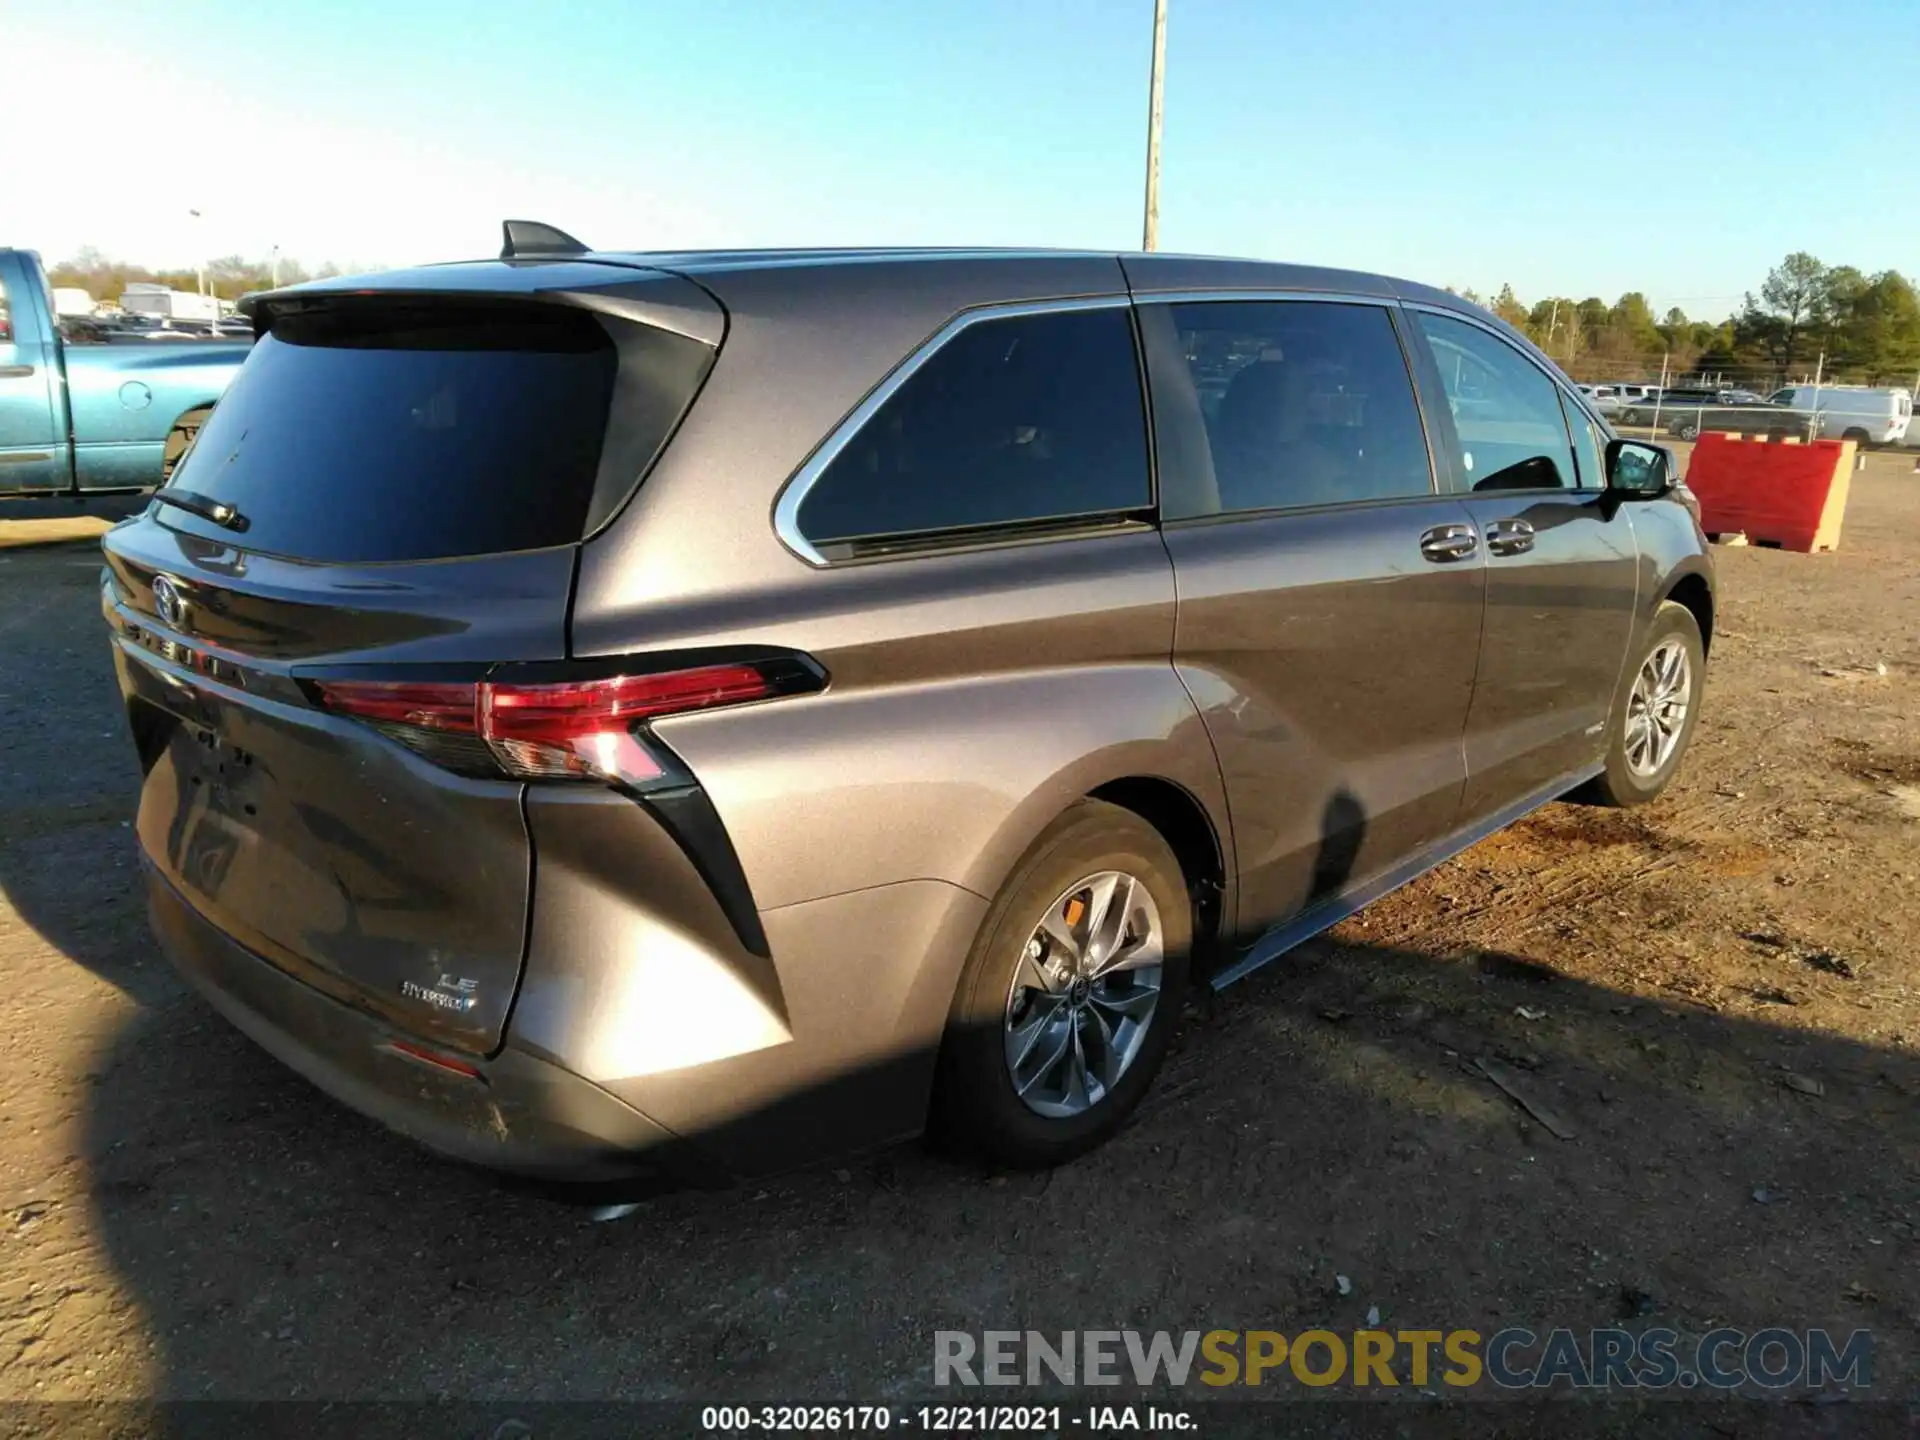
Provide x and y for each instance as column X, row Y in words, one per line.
column 935, row 779
column 868, row 978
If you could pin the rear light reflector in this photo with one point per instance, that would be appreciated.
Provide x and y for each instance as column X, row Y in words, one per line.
column 569, row 729
column 436, row 1058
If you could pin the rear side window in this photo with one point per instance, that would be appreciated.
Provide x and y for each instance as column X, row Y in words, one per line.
column 1304, row 403
column 391, row 431
column 1508, row 427
column 1016, row 421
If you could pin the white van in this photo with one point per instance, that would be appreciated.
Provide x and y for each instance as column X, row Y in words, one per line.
column 1869, row 415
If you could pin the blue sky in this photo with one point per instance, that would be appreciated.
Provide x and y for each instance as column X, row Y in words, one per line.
column 1581, row 149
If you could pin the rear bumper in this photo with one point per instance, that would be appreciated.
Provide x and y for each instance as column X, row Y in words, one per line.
column 524, row 1115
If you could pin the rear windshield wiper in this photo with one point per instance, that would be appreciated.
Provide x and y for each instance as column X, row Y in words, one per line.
column 218, row 511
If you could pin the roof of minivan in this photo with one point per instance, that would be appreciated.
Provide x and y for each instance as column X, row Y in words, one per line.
column 1156, row 270
column 954, row 277
column 1153, row 271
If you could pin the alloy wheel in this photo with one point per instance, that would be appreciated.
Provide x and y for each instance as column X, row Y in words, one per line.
column 1657, row 708
column 1084, row 994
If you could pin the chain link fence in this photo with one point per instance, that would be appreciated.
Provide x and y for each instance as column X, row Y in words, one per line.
column 1752, row 402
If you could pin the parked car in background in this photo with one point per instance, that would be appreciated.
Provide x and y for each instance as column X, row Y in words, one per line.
column 557, row 749
column 1603, row 398
column 1643, row 410
column 1775, row 422
column 1866, row 415
column 87, row 411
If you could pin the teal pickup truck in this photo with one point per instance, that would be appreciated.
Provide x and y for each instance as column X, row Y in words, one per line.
column 88, row 415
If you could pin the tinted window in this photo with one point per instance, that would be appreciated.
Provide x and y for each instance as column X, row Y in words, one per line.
column 1024, row 419
column 1588, row 447
column 1506, row 412
column 6, row 317
column 378, row 432
column 1303, row 403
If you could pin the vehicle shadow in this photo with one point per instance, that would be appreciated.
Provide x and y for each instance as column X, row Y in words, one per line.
column 67, row 859
column 1321, row 1144
column 1326, row 1119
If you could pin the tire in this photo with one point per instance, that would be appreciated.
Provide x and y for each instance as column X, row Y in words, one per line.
column 1859, row 437
column 180, row 440
column 1687, row 430
column 1628, row 780
column 976, row 1105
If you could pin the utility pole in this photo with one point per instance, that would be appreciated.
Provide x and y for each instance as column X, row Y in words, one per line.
column 200, row 265
column 1150, row 238
column 1819, row 373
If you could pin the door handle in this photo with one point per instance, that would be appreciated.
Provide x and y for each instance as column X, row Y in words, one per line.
column 1509, row 537
column 1449, row 542
column 15, row 372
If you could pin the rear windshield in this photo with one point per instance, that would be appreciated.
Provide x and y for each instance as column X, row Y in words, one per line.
column 384, row 431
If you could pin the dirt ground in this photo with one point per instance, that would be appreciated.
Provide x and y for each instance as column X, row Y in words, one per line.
column 1717, row 997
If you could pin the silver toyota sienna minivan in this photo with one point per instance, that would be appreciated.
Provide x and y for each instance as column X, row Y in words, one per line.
column 614, row 715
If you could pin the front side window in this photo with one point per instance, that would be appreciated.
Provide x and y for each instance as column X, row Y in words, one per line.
column 1017, row 421
column 1303, row 403
column 1509, row 430
column 1587, row 446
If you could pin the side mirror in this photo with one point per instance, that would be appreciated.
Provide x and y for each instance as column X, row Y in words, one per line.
column 1638, row 470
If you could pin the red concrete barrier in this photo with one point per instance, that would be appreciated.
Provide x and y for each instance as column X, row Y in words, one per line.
column 1777, row 493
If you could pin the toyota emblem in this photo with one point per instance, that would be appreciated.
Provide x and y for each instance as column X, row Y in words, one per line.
column 168, row 603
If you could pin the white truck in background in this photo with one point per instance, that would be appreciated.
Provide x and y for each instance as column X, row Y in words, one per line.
column 169, row 304
column 1868, row 415
column 71, row 300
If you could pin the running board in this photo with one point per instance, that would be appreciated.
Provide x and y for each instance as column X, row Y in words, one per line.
column 1328, row 913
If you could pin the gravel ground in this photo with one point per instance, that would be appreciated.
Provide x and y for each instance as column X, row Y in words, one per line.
column 1715, row 997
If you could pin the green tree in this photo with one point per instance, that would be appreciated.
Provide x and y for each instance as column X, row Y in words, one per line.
column 1792, row 300
column 1877, row 333
column 1509, row 309
column 1632, row 317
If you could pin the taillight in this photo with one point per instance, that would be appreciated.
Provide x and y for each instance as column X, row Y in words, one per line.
column 425, row 706
column 591, row 728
